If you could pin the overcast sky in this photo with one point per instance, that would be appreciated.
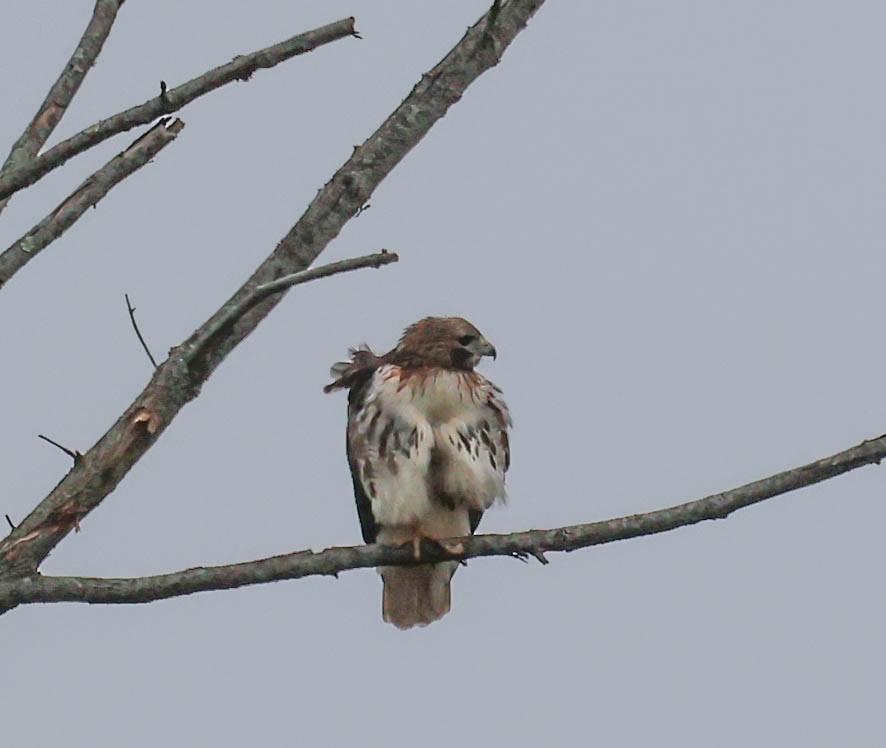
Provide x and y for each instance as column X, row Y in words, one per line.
column 668, row 218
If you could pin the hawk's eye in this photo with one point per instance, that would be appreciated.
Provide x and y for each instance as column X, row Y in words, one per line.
column 466, row 339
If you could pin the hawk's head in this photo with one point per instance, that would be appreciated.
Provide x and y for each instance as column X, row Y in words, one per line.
column 448, row 342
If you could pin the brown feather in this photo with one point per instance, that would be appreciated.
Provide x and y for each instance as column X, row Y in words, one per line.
column 416, row 595
column 348, row 373
column 430, row 342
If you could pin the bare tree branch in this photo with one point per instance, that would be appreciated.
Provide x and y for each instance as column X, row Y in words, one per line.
column 178, row 380
column 63, row 90
column 281, row 284
column 72, row 453
column 65, row 515
column 324, row 271
column 222, row 322
column 40, row 589
column 87, row 195
column 131, row 309
column 240, row 68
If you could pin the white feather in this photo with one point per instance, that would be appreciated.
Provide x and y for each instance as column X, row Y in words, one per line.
column 393, row 436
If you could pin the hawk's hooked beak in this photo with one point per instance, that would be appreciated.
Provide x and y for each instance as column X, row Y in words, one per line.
column 486, row 349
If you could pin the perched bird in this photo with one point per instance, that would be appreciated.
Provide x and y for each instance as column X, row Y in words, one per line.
column 427, row 444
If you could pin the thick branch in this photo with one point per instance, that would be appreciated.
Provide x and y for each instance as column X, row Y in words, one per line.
column 63, row 90
column 178, row 380
column 39, row 589
column 240, row 68
column 86, row 196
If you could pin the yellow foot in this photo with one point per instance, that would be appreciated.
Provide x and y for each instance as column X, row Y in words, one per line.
column 416, row 548
column 452, row 546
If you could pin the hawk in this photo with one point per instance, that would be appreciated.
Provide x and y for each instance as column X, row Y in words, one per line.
column 427, row 444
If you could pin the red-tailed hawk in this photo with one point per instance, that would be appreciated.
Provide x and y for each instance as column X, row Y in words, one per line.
column 427, row 444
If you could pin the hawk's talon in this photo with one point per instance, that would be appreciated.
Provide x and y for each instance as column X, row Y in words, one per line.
column 452, row 547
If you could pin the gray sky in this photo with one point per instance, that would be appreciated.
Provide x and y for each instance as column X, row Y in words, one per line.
column 668, row 217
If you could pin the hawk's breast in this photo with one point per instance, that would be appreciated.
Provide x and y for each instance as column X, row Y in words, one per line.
column 428, row 437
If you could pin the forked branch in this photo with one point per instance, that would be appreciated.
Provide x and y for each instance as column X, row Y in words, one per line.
column 21, row 175
column 86, row 196
column 63, row 90
column 221, row 323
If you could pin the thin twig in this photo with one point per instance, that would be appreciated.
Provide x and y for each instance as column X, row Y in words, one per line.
column 63, row 90
column 376, row 260
column 131, row 309
column 170, row 100
column 9, row 522
column 260, row 292
column 535, row 543
column 87, row 195
column 72, row 453
column 235, row 311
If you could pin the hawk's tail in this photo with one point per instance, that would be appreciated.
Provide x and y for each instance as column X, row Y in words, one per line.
column 416, row 595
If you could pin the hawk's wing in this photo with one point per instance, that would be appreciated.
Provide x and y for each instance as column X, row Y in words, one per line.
column 481, row 442
column 355, row 375
column 474, row 451
column 364, row 507
column 389, row 445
